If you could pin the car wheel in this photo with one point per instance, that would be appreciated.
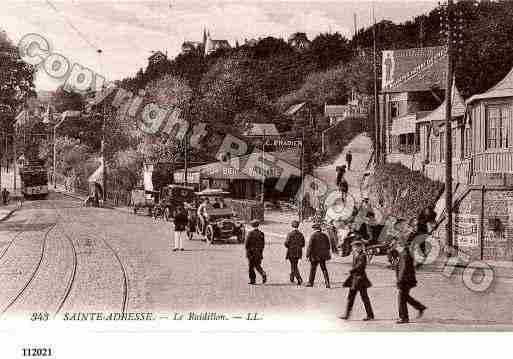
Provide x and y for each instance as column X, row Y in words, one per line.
column 393, row 258
column 209, row 234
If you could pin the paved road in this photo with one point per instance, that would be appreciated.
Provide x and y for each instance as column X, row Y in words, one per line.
column 59, row 257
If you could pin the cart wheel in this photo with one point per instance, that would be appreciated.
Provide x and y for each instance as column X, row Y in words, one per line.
column 209, row 234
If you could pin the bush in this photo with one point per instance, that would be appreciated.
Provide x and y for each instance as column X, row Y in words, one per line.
column 402, row 192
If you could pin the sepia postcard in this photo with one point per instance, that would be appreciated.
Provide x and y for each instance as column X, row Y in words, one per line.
column 182, row 177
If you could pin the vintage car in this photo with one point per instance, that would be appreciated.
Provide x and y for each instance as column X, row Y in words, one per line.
column 140, row 198
column 170, row 197
column 221, row 223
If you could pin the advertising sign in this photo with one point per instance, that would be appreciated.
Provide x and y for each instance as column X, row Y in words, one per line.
column 192, row 177
column 466, row 228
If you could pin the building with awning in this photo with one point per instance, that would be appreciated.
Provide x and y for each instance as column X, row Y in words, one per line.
column 404, row 134
column 432, row 130
column 242, row 176
column 413, row 84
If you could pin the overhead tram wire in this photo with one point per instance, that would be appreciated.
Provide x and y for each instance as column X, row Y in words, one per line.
column 70, row 24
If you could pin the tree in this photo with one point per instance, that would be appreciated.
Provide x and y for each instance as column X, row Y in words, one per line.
column 328, row 50
column 16, row 81
column 67, row 100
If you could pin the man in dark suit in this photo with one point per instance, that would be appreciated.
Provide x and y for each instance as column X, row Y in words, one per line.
column 406, row 280
column 358, row 282
column 349, row 159
column 318, row 253
column 295, row 242
column 255, row 243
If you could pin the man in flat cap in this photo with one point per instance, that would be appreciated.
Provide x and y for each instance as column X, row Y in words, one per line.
column 295, row 242
column 318, row 253
column 358, row 281
column 255, row 243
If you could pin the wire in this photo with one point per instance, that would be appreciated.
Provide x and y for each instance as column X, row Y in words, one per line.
column 49, row 3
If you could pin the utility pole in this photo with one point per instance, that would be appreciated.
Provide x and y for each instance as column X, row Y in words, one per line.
column 377, row 150
column 448, row 132
column 185, row 159
column 302, row 165
column 263, row 161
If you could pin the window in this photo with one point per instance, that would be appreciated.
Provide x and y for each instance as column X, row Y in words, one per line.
column 434, row 155
column 497, row 118
column 394, row 109
column 454, row 145
column 468, row 142
column 442, row 146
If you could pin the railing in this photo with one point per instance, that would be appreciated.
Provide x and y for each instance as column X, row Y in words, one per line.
column 408, row 148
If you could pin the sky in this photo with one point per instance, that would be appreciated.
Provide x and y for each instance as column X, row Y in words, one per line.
column 128, row 31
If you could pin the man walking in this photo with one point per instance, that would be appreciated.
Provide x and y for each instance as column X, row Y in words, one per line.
column 358, row 282
column 318, row 253
column 5, row 196
column 295, row 242
column 255, row 243
column 406, row 280
column 349, row 159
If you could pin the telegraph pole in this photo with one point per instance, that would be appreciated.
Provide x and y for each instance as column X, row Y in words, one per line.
column 377, row 150
column 448, row 130
column 263, row 161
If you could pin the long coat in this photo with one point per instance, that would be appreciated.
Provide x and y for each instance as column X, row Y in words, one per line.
column 255, row 243
column 357, row 276
column 295, row 242
column 180, row 220
column 405, row 271
column 319, row 247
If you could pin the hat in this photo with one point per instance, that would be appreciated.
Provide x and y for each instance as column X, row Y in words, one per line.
column 316, row 226
column 255, row 223
column 294, row 224
column 357, row 243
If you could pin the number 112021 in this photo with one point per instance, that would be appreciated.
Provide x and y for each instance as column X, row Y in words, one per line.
column 37, row 352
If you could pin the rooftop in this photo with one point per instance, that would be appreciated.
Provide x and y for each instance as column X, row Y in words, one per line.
column 503, row 89
column 416, row 69
column 457, row 110
column 262, row 129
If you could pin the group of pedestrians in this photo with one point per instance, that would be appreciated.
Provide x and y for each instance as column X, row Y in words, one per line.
column 319, row 252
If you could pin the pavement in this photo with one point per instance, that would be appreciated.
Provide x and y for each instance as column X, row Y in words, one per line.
column 121, row 260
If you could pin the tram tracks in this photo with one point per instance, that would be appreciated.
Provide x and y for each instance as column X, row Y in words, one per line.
column 19, row 294
column 102, row 238
column 58, row 261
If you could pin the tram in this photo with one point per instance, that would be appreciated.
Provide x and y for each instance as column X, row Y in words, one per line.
column 34, row 180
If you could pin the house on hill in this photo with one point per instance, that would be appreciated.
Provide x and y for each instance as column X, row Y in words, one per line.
column 303, row 114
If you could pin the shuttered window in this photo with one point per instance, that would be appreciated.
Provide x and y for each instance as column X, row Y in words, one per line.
column 497, row 120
